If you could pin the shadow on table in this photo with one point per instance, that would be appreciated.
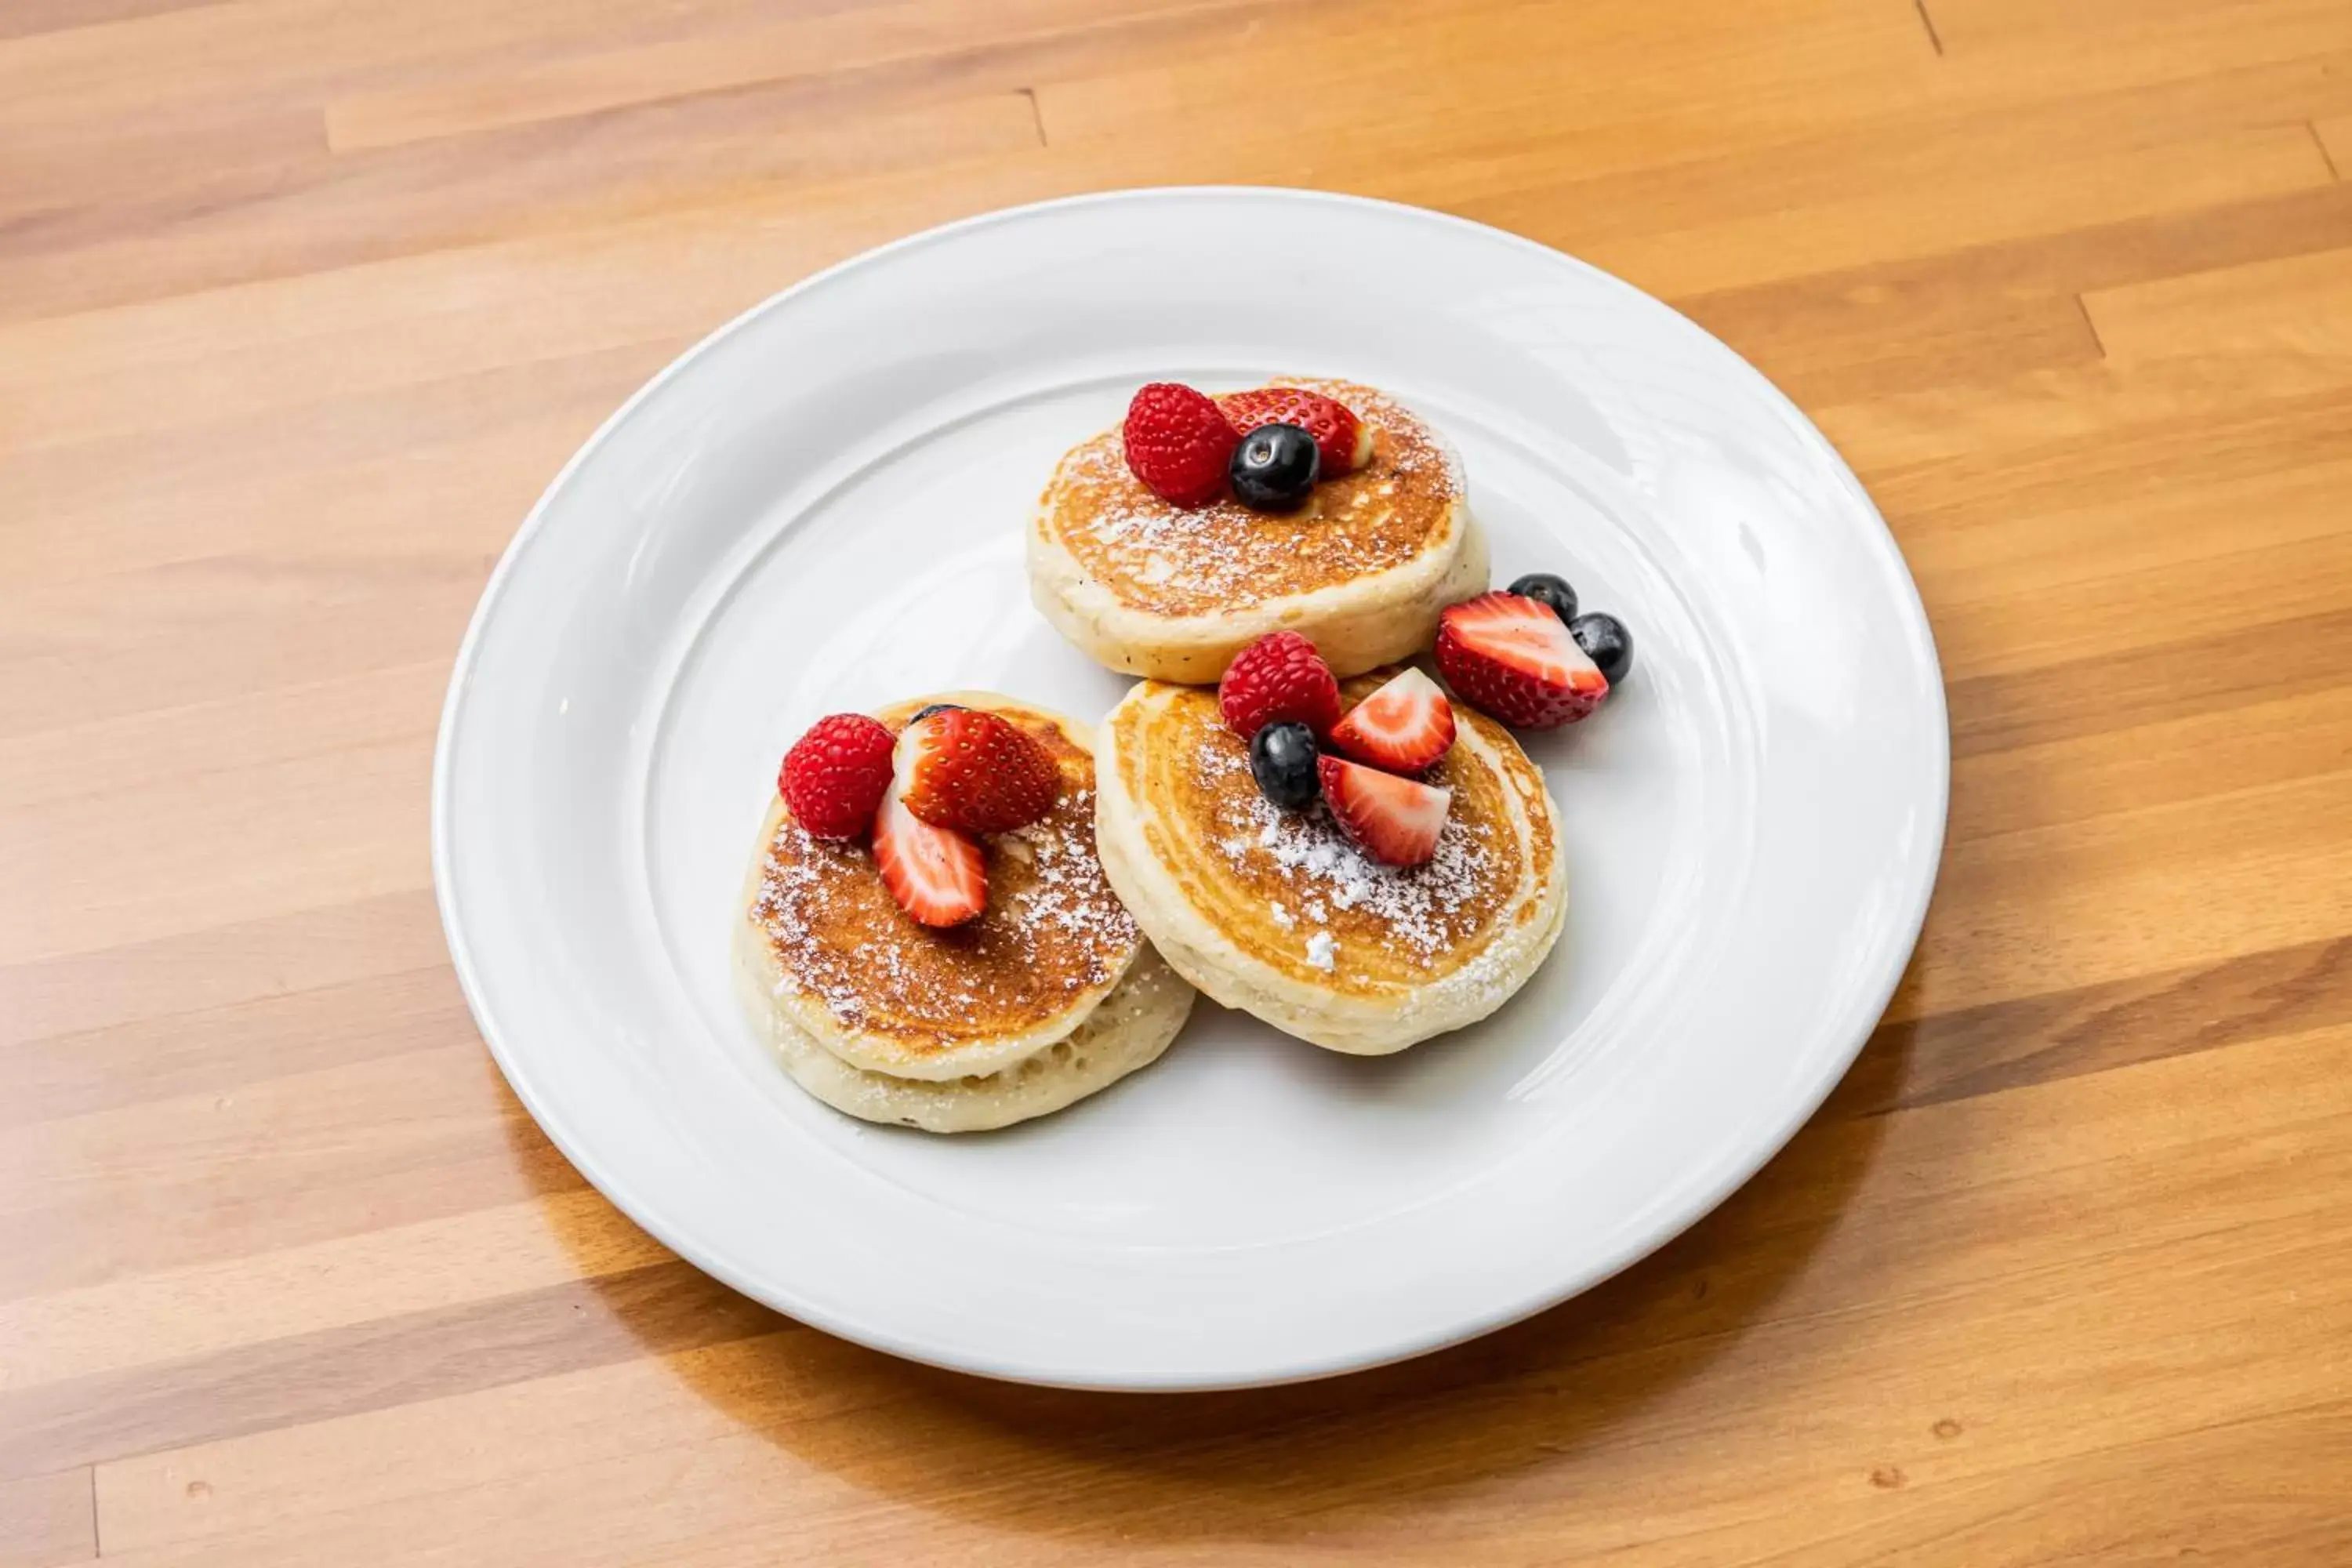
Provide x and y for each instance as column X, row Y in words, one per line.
column 1315, row 1458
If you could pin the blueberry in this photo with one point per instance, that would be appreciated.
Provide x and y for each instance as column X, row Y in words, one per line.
column 1546, row 589
column 923, row 713
column 1274, row 467
column 1282, row 758
column 1606, row 642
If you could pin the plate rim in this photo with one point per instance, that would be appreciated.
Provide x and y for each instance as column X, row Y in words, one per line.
column 1855, row 1027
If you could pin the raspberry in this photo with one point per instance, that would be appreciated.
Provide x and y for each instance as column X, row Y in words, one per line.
column 1177, row 443
column 833, row 776
column 1279, row 677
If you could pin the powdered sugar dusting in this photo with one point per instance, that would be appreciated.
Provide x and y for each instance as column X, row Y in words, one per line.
column 1183, row 560
column 1052, row 927
column 1423, row 911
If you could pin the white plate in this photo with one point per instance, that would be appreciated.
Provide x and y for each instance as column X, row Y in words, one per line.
column 819, row 508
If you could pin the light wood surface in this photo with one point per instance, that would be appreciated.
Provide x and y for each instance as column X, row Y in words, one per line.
column 301, row 302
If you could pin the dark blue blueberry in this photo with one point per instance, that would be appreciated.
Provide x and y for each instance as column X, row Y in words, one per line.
column 1606, row 642
column 1546, row 589
column 1281, row 759
column 1274, row 467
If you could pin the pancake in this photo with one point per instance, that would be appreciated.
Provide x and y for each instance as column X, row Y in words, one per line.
column 1280, row 915
column 1152, row 588
column 1129, row 1030
column 849, row 969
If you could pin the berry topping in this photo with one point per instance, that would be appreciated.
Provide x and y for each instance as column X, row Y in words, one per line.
column 1396, row 821
column 972, row 770
column 1177, row 443
column 1274, row 468
column 1546, row 589
column 938, row 876
column 1278, row 677
column 1513, row 658
column 833, row 776
column 1403, row 727
column 1606, row 642
column 1343, row 441
column 1281, row 759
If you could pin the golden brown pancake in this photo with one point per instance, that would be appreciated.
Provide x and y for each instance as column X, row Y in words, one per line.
column 1280, row 914
column 1171, row 592
column 890, row 995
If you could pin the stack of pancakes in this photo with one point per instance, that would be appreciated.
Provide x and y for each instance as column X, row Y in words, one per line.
column 1049, row 996
column 1162, row 868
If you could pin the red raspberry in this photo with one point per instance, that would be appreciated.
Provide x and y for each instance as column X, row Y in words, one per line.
column 1177, row 443
column 1277, row 678
column 833, row 776
column 1341, row 440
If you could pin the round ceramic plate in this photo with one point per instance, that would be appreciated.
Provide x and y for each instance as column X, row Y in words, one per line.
column 821, row 507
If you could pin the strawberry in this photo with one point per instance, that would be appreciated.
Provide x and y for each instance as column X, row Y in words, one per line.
column 1279, row 677
column 937, row 875
column 1342, row 440
column 972, row 770
column 1395, row 820
column 1177, row 443
column 1403, row 727
column 833, row 776
column 1513, row 658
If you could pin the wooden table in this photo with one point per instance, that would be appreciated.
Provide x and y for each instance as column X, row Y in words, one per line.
column 302, row 302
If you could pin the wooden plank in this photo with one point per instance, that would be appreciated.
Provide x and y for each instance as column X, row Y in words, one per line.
column 825, row 43
column 296, row 1380
column 329, row 944
column 246, row 862
column 307, row 1157
column 2298, row 307
column 50, row 1520
column 231, row 1303
column 2080, row 904
column 2192, row 756
column 219, row 1050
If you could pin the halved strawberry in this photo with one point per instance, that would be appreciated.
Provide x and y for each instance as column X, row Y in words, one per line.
column 1403, row 727
column 1342, row 441
column 1395, row 820
column 1514, row 658
column 975, row 771
column 938, row 876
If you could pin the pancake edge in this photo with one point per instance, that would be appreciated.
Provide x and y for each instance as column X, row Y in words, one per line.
column 1357, row 624
column 1132, row 1028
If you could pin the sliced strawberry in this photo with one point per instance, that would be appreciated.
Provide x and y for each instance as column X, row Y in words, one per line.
column 1514, row 658
column 974, row 771
column 1396, row 820
column 938, row 876
column 1403, row 727
column 1342, row 441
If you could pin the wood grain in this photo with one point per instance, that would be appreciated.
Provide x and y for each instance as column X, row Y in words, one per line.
column 302, row 301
